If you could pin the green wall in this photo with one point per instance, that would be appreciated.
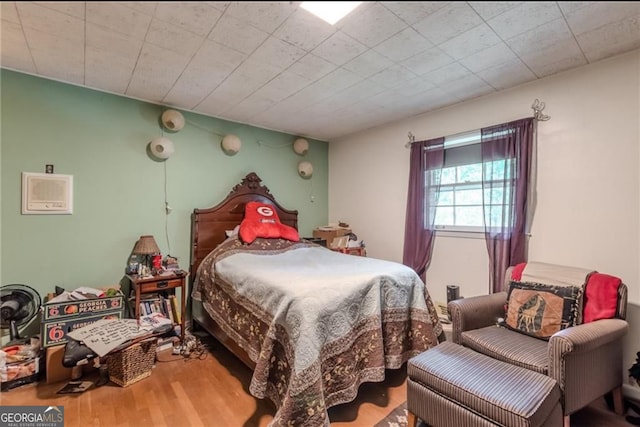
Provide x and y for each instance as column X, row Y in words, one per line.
column 101, row 139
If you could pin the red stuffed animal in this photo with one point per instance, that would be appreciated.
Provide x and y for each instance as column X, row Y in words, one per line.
column 261, row 220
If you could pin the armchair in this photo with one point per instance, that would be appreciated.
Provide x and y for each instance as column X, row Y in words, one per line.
column 585, row 360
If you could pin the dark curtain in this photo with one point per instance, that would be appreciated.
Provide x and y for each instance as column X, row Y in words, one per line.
column 427, row 158
column 506, row 171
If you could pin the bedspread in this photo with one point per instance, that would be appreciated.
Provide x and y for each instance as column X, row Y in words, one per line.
column 317, row 323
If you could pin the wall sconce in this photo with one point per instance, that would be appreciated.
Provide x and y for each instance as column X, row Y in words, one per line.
column 172, row 120
column 301, row 146
column 231, row 144
column 161, row 148
column 305, row 169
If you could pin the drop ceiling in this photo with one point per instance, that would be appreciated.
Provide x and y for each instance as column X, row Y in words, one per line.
column 276, row 66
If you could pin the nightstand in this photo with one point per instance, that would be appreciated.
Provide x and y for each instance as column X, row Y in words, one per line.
column 157, row 284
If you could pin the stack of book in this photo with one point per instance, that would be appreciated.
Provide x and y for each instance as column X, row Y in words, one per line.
column 157, row 303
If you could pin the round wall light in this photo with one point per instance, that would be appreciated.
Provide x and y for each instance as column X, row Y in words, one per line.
column 231, row 144
column 305, row 169
column 161, row 148
column 173, row 120
column 301, row 146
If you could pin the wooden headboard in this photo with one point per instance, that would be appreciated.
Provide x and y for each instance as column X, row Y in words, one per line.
column 208, row 226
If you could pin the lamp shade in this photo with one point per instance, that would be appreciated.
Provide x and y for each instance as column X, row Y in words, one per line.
column 173, row 120
column 231, row 144
column 305, row 169
column 161, row 148
column 301, row 146
column 146, row 245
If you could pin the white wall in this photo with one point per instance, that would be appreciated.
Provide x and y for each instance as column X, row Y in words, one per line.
column 588, row 187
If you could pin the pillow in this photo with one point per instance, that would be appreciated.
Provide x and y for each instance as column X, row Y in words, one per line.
column 516, row 273
column 542, row 310
column 601, row 297
column 261, row 220
column 234, row 232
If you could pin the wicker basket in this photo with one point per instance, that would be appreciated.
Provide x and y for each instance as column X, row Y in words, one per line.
column 132, row 363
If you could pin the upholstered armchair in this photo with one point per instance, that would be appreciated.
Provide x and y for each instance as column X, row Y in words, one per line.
column 585, row 359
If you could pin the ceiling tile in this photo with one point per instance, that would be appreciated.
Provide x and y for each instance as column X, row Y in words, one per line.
column 146, row 7
column 208, row 68
column 413, row 87
column 277, row 53
column 372, row 25
column 367, row 64
column 427, row 61
column 491, row 9
column 468, row 87
column 469, row 42
column 447, row 74
column 156, row 72
column 73, row 8
column 413, row 11
column 594, row 15
column 448, row 22
column 339, row 79
column 118, row 17
column 193, row 16
column 8, row 12
column 339, row 48
column 611, row 39
column 99, row 38
column 540, row 37
column 174, row 38
column 312, row 67
column 248, row 108
column 403, row 45
column 554, row 59
column 304, row 30
column 524, row 17
column 108, row 70
column 48, row 21
column 14, row 50
column 57, row 57
column 257, row 72
column 488, row 58
column 237, row 35
column 393, row 76
column 266, row 16
column 282, row 86
column 506, row 74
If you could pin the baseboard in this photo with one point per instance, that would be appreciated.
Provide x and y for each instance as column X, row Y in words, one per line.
column 631, row 392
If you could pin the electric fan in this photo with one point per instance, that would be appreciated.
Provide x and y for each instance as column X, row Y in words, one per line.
column 19, row 304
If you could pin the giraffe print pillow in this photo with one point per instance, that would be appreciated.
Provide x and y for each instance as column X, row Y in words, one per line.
column 542, row 310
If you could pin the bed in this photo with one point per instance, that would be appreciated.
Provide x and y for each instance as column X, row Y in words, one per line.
column 313, row 324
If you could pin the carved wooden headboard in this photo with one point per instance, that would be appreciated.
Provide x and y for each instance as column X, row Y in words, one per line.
column 208, row 226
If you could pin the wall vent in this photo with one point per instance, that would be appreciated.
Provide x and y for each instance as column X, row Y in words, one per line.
column 47, row 194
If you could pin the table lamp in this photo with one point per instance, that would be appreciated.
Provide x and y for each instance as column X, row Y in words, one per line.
column 146, row 246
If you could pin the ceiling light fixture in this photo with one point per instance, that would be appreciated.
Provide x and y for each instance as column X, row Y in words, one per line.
column 330, row 11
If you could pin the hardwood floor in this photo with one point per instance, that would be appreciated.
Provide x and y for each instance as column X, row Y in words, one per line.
column 213, row 392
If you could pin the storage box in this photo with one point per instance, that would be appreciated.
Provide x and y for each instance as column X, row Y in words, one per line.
column 133, row 363
column 330, row 234
column 58, row 319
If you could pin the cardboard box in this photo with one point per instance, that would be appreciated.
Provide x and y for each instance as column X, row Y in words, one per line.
column 58, row 319
column 330, row 234
column 54, row 369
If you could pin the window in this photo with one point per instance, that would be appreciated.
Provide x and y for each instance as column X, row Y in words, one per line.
column 461, row 205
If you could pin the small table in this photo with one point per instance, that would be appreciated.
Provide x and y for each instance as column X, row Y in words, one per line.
column 159, row 283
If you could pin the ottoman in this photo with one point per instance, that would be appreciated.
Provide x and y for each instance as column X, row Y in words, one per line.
column 451, row 385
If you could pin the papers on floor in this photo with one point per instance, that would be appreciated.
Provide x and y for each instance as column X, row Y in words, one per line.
column 106, row 335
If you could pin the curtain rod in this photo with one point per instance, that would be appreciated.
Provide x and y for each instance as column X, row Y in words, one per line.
column 537, row 108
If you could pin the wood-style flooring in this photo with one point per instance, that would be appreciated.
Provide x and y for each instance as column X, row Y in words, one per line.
column 213, row 392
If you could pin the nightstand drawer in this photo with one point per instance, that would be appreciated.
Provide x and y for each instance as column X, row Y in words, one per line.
column 160, row 285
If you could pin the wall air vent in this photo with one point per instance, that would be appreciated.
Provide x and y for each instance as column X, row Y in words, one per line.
column 47, row 194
